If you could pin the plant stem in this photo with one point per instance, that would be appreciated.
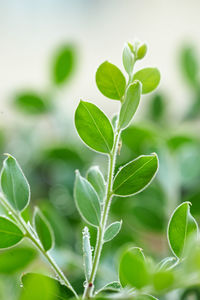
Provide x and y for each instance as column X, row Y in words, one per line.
column 35, row 241
column 101, row 230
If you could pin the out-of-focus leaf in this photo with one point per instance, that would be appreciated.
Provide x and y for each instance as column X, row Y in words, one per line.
column 93, row 127
column 32, row 103
column 110, row 81
column 149, row 77
column 10, row 234
column 16, row 259
column 181, row 227
column 64, row 63
column 14, row 185
column 145, row 297
column 136, row 175
column 157, row 108
column 87, row 201
column 189, row 64
column 41, row 287
column 133, row 269
column 163, row 280
column 166, row 263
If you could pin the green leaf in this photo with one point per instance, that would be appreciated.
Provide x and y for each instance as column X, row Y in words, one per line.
column 133, row 269
column 149, row 77
column 64, row 63
column 128, row 59
column 95, row 177
column 31, row 103
column 190, row 64
column 166, row 263
column 111, row 231
column 163, row 280
column 41, row 287
column 87, row 201
column 130, row 104
column 93, row 127
column 87, row 253
column 114, row 286
column 181, row 227
column 14, row 185
column 43, row 230
column 136, row 175
column 10, row 234
column 145, row 297
column 110, row 81
column 16, row 259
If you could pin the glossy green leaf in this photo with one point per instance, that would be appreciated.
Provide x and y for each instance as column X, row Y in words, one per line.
column 94, row 127
column 41, row 287
column 128, row 59
column 130, row 104
column 10, row 234
column 110, row 81
column 133, row 269
column 149, row 77
column 43, row 230
column 181, row 227
column 31, row 103
column 112, row 230
column 87, row 201
column 163, row 280
column 95, row 177
column 136, row 175
column 16, row 259
column 14, row 185
column 64, row 63
column 87, row 253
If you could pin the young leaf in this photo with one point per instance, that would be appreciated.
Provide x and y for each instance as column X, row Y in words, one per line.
column 41, row 287
column 93, row 127
column 31, row 103
column 114, row 286
column 166, row 263
column 149, row 77
column 111, row 231
column 16, row 259
column 110, row 81
column 14, row 185
column 136, row 175
column 87, row 253
column 133, row 269
column 63, row 64
column 128, row 59
column 181, row 227
column 163, row 280
column 95, row 177
column 10, row 234
column 43, row 230
column 130, row 104
column 87, row 201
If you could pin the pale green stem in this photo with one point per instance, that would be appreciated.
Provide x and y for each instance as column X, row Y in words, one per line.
column 101, row 230
column 35, row 241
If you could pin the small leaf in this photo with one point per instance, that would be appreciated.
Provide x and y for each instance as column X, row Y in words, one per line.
column 110, row 81
column 43, row 230
column 111, row 231
column 149, row 77
column 95, row 177
column 181, row 227
column 31, row 103
column 93, row 127
column 145, row 297
column 190, row 64
column 128, row 59
column 41, row 287
column 163, row 280
column 166, row 263
column 16, row 259
column 87, row 201
column 133, row 269
column 10, row 234
column 14, row 185
column 136, row 175
column 114, row 286
column 141, row 51
column 87, row 253
column 63, row 64
column 130, row 104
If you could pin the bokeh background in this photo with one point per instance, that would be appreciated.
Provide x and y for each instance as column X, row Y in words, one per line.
column 37, row 110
